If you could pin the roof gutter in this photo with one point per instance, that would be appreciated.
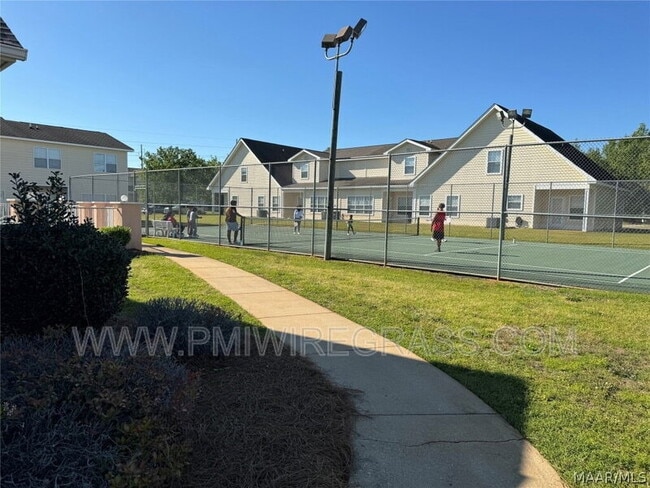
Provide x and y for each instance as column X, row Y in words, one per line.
column 10, row 54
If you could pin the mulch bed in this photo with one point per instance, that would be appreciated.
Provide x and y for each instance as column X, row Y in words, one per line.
column 268, row 421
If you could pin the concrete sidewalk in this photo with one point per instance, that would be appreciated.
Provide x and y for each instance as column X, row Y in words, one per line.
column 418, row 427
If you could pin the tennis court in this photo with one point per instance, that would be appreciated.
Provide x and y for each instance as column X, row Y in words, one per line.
column 586, row 266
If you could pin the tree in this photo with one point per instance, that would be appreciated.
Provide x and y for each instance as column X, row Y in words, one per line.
column 178, row 175
column 172, row 158
column 626, row 159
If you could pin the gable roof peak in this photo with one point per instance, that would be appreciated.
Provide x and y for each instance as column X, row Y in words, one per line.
column 270, row 152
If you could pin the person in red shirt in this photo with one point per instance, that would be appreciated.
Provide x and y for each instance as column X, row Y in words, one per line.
column 438, row 225
column 178, row 229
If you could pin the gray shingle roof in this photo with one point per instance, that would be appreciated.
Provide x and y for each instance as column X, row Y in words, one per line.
column 7, row 37
column 63, row 135
column 569, row 151
column 370, row 181
column 380, row 149
column 440, row 143
column 268, row 152
column 363, row 151
column 566, row 149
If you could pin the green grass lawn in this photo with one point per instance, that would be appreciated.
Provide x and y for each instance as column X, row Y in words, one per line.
column 569, row 368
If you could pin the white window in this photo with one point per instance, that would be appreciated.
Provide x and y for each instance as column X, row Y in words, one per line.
column 260, row 201
column 494, row 162
column 304, row 171
column 244, row 175
column 409, row 165
column 424, row 206
column 105, row 163
column 45, row 157
column 318, row 204
column 404, row 205
column 515, row 202
column 275, row 202
column 360, row 205
column 452, row 205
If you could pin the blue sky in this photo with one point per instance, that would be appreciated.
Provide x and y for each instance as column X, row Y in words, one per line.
column 202, row 74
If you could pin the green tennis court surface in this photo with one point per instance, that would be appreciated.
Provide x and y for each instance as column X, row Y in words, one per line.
column 555, row 264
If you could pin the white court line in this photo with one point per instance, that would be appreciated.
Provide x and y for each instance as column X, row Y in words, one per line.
column 633, row 275
column 468, row 249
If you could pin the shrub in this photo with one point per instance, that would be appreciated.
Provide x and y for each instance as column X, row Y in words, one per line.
column 119, row 232
column 36, row 205
column 41, row 446
column 177, row 317
column 75, row 275
column 53, row 270
column 85, row 419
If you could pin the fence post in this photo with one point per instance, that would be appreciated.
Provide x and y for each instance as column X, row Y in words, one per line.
column 146, row 201
column 390, row 166
column 219, row 200
column 615, row 213
column 179, row 191
column 504, row 202
column 451, row 194
column 268, row 213
column 314, row 207
column 494, row 192
column 548, row 210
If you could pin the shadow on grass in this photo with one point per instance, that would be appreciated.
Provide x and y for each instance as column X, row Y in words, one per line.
column 506, row 394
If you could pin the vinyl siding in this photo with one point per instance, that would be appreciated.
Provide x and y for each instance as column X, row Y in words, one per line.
column 17, row 156
column 464, row 172
column 256, row 185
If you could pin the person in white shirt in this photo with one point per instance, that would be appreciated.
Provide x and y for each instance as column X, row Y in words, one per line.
column 298, row 215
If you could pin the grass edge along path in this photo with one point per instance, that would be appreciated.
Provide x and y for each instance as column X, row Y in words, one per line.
column 569, row 368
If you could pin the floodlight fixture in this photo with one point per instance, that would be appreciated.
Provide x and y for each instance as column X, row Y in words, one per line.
column 512, row 114
column 329, row 41
column 344, row 34
column 527, row 113
column 359, row 28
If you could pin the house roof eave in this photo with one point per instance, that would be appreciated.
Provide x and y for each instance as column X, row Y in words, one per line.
column 226, row 162
column 50, row 134
column 407, row 141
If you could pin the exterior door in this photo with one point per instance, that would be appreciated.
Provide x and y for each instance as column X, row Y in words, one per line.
column 557, row 207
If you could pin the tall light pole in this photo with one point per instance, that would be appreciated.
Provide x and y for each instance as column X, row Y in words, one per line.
column 331, row 41
column 513, row 117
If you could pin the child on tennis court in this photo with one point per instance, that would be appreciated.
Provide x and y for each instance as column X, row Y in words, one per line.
column 438, row 225
column 351, row 224
column 298, row 215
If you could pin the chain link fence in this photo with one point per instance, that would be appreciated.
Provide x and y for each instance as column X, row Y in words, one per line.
column 561, row 209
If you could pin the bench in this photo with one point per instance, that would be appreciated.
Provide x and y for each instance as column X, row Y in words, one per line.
column 163, row 228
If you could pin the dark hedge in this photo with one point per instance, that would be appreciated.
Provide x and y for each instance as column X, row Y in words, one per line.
column 66, row 274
